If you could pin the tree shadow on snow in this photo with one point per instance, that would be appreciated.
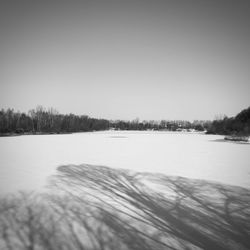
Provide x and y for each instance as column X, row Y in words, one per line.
column 175, row 212
column 96, row 207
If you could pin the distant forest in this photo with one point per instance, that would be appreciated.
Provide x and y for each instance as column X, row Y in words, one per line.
column 238, row 125
column 41, row 120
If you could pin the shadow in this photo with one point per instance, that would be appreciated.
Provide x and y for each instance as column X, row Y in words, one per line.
column 182, row 212
column 228, row 141
column 117, row 136
column 96, row 207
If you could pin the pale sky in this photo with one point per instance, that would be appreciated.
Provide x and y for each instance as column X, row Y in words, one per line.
column 124, row 59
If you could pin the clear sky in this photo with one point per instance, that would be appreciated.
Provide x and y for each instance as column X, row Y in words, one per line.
column 124, row 59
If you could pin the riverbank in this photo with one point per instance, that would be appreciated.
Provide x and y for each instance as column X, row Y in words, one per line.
column 34, row 133
column 108, row 130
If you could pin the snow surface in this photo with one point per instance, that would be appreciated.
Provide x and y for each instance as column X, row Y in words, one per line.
column 26, row 162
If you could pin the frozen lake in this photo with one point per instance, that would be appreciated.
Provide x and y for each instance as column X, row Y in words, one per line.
column 26, row 162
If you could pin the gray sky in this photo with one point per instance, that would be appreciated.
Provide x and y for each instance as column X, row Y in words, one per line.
column 126, row 59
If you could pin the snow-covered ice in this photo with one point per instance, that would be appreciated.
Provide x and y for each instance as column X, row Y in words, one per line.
column 26, row 162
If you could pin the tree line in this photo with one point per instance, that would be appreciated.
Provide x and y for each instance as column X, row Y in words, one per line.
column 238, row 125
column 42, row 120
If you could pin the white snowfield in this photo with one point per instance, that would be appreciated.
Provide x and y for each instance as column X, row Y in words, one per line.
column 27, row 162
